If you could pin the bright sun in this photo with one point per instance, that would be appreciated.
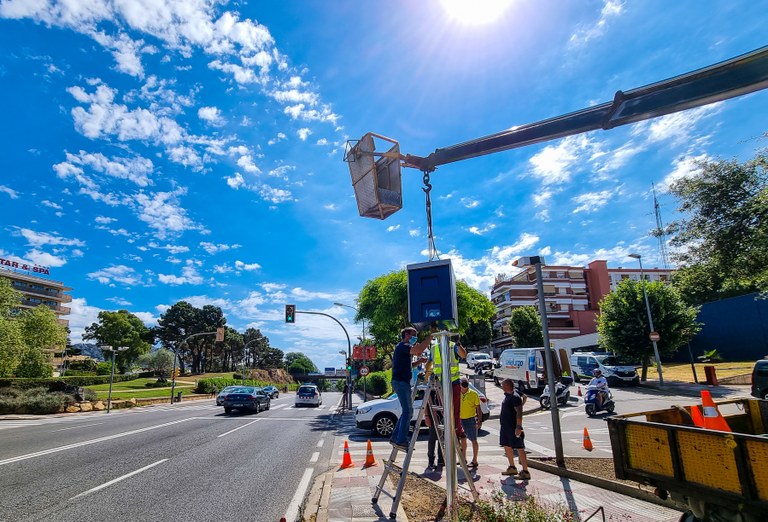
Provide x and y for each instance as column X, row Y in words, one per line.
column 475, row 12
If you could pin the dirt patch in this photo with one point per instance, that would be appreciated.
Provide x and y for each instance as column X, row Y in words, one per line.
column 597, row 467
column 422, row 500
column 277, row 376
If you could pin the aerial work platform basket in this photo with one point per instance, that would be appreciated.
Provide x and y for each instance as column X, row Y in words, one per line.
column 376, row 176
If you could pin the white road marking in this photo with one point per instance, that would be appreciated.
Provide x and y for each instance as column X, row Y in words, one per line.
column 320, row 443
column 118, row 479
column 238, row 428
column 298, row 497
column 277, row 407
column 315, row 456
column 88, row 442
column 83, row 426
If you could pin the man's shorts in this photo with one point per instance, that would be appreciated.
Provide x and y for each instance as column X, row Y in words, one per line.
column 507, row 438
column 470, row 428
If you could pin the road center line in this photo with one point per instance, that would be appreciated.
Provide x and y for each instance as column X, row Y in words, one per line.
column 315, row 456
column 320, row 443
column 238, row 428
column 118, row 479
column 298, row 497
column 88, row 442
column 83, row 426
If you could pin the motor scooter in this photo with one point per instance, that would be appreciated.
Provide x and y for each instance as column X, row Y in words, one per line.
column 562, row 393
column 590, row 401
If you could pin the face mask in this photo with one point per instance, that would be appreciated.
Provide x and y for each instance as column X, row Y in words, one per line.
column 413, row 340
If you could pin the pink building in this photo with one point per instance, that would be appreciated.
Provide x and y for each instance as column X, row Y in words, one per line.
column 571, row 296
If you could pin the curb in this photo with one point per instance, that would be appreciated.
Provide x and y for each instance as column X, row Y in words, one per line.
column 319, row 497
column 602, row 483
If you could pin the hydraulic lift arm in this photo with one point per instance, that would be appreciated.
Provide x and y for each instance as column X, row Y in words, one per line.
column 735, row 77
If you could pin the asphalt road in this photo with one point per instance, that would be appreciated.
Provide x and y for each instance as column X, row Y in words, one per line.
column 188, row 461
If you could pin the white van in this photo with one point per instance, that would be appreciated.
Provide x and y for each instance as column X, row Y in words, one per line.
column 526, row 367
column 584, row 363
column 474, row 357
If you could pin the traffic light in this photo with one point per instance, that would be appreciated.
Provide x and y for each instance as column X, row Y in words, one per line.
column 349, row 364
column 290, row 313
column 176, row 372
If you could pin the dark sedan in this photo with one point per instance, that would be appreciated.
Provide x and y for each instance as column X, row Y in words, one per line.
column 246, row 398
column 272, row 391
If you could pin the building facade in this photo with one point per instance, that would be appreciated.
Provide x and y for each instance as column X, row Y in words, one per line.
column 37, row 290
column 571, row 296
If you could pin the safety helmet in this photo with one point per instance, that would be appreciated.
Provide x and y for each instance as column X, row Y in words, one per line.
column 596, row 372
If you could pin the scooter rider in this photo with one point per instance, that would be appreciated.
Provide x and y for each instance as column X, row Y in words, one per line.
column 601, row 384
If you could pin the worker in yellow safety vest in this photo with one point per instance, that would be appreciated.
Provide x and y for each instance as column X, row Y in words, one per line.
column 437, row 369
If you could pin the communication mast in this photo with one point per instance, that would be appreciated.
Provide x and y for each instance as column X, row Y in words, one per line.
column 660, row 232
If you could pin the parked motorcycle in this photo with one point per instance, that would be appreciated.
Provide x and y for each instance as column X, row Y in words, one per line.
column 590, row 401
column 562, row 393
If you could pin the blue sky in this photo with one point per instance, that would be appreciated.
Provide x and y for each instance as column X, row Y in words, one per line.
column 160, row 150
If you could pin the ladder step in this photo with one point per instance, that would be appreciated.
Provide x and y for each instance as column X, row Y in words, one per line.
column 392, row 468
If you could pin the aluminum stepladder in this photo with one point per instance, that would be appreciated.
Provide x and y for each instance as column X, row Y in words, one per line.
column 433, row 394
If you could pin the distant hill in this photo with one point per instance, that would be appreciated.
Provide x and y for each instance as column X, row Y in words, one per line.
column 91, row 350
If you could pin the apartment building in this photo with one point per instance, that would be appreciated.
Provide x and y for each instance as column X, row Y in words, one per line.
column 37, row 290
column 571, row 296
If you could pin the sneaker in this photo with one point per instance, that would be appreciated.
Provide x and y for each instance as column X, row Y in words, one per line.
column 523, row 475
column 511, row 470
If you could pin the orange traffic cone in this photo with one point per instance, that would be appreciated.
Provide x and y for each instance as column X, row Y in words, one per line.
column 587, row 440
column 347, row 461
column 578, row 391
column 713, row 420
column 698, row 420
column 369, row 460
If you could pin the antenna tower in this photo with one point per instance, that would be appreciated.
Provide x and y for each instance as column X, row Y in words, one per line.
column 660, row 231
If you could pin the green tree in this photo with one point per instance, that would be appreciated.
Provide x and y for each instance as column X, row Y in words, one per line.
column 383, row 303
column 298, row 363
column 260, row 353
column 623, row 321
column 479, row 333
column 11, row 337
column 42, row 335
column 525, row 327
column 723, row 240
column 120, row 328
column 158, row 361
column 176, row 324
column 34, row 363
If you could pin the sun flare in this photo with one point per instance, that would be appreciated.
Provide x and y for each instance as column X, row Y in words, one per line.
column 475, row 12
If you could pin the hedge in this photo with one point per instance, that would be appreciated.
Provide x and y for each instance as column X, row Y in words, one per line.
column 80, row 380
column 33, row 401
column 206, row 385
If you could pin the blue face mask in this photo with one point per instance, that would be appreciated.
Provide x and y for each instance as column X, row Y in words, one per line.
column 413, row 340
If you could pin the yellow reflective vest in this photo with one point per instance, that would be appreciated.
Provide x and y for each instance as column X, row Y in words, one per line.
column 437, row 361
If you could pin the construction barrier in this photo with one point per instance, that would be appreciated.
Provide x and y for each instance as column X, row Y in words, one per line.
column 713, row 420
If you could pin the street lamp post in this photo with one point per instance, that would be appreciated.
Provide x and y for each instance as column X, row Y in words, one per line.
column 653, row 335
column 362, row 342
column 114, row 351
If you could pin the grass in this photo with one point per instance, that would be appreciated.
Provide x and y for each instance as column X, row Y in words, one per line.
column 136, row 389
column 682, row 371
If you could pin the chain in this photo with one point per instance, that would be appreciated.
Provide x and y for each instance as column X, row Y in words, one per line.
column 430, row 236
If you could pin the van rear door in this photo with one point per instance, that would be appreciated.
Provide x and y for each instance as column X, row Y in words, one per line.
column 531, row 375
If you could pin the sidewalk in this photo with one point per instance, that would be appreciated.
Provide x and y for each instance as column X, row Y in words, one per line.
column 345, row 495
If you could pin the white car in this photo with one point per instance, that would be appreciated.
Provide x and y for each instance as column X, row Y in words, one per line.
column 308, row 395
column 475, row 357
column 380, row 415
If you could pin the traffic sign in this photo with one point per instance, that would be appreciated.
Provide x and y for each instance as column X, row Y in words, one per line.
column 363, row 371
column 654, row 337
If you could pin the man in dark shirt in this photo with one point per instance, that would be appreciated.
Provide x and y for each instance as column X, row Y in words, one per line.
column 512, row 436
column 402, row 363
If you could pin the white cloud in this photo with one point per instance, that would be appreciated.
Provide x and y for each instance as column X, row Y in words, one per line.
column 480, row 231
column 44, row 238
column 683, row 167
column 414, row 232
column 236, row 181
column 303, row 133
column 189, row 275
column 678, row 128
column 80, row 316
column 163, row 213
column 147, row 318
column 119, row 301
column 213, row 248
column 173, row 249
column 392, row 228
column 611, row 9
column 136, row 169
column 104, row 220
column 11, row 193
column 555, row 163
column 116, row 274
column 470, row 203
column 43, row 258
column 280, row 137
column 247, row 164
column 322, row 141
column 239, row 265
column 330, row 206
column 211, row 115
column 282, row 171
column 592, row 201
column 275, row 195
column 51, row 204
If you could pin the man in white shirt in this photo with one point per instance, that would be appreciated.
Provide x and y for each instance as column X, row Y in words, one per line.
column 601, row 383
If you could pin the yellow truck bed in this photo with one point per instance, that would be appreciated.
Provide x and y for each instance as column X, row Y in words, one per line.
column 720, row 475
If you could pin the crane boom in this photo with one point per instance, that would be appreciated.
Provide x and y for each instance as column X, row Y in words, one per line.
column 735, row 77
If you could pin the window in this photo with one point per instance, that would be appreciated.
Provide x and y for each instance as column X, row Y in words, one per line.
column 561, row 275
column 550, row 290
column 663, row 277
column 624, row 276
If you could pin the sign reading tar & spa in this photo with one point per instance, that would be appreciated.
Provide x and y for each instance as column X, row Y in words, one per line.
column 20, row 265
